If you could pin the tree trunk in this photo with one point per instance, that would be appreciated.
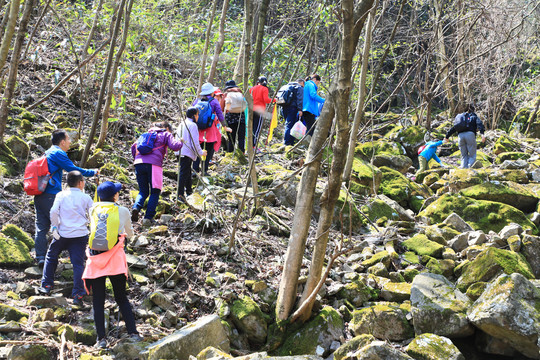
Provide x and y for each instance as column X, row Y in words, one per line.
column 238, row 74
column 444, row 64
column 258, row 43
column 36, row 26
column 110, row 90
column 206, row 45
column 10, row 30
column 359, row 114
column 84, row 54
column 106, row 73
column 5, row 20
column 219, row 44
column 14, row 66
column 353, row 21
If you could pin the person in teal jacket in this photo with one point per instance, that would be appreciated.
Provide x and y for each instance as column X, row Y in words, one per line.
column 57, row 161
column 311, row 101
column 427, row 154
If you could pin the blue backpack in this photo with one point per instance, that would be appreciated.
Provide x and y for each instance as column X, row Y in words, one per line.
column 145, row 143
column 206, row 117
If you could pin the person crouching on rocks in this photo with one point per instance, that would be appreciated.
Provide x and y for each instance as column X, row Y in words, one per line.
column 426, row 153
column 110, row 224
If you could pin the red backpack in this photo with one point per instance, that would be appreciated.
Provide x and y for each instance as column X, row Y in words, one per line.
column 36, row 176
column 421, row 148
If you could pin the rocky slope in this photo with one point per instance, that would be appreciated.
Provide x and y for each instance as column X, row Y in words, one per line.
column 448, row 265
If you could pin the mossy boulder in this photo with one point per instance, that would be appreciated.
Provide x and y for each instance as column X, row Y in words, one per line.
column 438, row 307
column 399, row 163
column 379, row 257
column 396, row 291
column 16, row 233
column 380, row 147
column 407, row 193
column 97, row 160
column 511, row 155
column 9, row 313
column 504, row 144
column 385, row 320
column 433, row 347
column 459, row 179
column 321, row 331
column 14, row 252
column 516, row 175
column 357, row 293
column 116, row 172
column 421, row 245
column 346, row 351
column 86, row 333
column 18, row 147
column 509, row 309
column 30, row 352
column 490, row 263
column 366, row 177
column 8, row 162
column 68, row 331
column 43, row 139
column 509, row 192
column 530, row 248
column 475, row 290
column 480, row 214
column 411, row 138
column 248, row 317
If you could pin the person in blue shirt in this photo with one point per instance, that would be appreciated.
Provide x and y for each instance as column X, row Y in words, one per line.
column 57, row 161
column 310, row 102
column 427, row 154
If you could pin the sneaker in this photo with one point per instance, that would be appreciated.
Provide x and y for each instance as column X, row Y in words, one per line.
column 135, row 337
column 44, row 289
column 134, row 215
column 101, row 343
column 78, row 301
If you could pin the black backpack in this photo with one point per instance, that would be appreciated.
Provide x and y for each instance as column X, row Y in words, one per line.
column 284, row 95
column 467, row 123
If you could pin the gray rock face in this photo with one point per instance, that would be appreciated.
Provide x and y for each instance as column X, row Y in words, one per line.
column 29, row 351
column 477, row 238
column 384, row 321
column 380, row 350
column 508, row 310
column 433, row 347
column 459, row 242
column 530, row 248
column 400, row 163
column 490, row 345
column 190, row 340
column 514, row 164
column 161, row 300
column 438, row 307
column 248, row 317
column 403, row 214
column 455, row 221
column 47, row 301
column 509, row 230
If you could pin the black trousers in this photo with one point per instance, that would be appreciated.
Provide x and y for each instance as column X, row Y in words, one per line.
column 237, row 123
column 185, row 184
column 309, row 121
column 98, row 301
column 209, row 147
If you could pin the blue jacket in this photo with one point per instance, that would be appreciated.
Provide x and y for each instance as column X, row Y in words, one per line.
column 57, row 160
column 311, row 99
column 430, row 149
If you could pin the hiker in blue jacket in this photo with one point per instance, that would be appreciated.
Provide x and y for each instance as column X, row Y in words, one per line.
column 428, row 153
column 57, row 161
column 311, row 101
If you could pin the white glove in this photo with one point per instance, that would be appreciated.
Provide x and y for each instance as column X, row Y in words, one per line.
column 55, row 233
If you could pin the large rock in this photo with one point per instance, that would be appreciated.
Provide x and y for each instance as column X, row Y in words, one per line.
column 357, row 293
column 530, row 248
column 19, row 147
column 365, row 178
column 399, row 163
column 433, row 347
column 385, row 320
column 490, row 263
column 421, row 245
column 455, row 221
column 402, row 190
column 459, row 179
column 47, row 301
column 30, row 352
column 438, row 307
column 319, row 332
column 380, row 350
column 11, row 313
column 190, row 340
column 14, row 252
column 347, row 351
column 509, row 309
column 410, row 137
column 480, row 214
column 248, row 317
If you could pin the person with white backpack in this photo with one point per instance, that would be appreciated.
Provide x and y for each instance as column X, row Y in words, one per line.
column 235, row 104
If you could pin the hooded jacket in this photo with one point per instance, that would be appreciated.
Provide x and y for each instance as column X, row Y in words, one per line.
column 311, row 99
column 164, row 140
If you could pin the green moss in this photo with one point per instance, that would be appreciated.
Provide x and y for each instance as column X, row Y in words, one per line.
column 475, row 290
column 409, row 257
column 431, row 347
column 480, row 214
column 365, row 174
column 353, row 345
column 86, row 334
column 510, row 193
column 410, row 273
column 304, row 340
column 378, row 209
column 504, row 144
column 421, row 245
column 368, row 149
column 10, row 313
column 13, row 252
column 67, row 274
column 118, row 173
column 381, row 256
column 8, row 161
column 16, row 233
column 511, row 155
column 69, row 332
column 492, row 262
column 345, row 209
column 28, row 116
column 458, row 270
column 389, row 317
column 245, row 307
column 412, row 135
column 357, row 293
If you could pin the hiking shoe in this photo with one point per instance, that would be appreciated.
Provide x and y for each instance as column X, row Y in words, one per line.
column 44, row 289
column 135, row 337
column 101, row 343
column 78, row 301
column 134, row 215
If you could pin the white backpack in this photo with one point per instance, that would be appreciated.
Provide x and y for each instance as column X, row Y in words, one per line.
column 235, row 102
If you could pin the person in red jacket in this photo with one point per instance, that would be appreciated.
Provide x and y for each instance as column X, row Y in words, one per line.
column 260, row 100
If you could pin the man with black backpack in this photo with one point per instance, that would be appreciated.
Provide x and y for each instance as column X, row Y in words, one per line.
column 290, row 97
column 466, row 125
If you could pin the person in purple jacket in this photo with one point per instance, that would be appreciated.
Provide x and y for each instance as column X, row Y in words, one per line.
column 149, row 171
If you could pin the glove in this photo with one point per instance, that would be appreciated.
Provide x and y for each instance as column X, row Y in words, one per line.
column 55, row 233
